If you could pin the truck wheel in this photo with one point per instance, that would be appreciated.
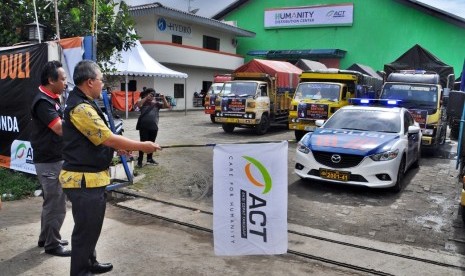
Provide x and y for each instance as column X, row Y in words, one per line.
column 228, row 128
column 400, row 177
column 299, row 134
column 263, row 126
column 212, row 118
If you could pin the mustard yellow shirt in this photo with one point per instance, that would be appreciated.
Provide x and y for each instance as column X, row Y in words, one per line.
column 86, row 119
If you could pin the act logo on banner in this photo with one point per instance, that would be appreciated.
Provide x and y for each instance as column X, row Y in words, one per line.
column 250, row 199
column 21, row 157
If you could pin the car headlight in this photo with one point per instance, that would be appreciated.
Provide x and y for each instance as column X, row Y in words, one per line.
column 302, row 148
column 384, row 156
column 426, row 131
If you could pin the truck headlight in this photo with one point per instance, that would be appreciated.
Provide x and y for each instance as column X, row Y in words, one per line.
column 385, row 156
column 427, row 131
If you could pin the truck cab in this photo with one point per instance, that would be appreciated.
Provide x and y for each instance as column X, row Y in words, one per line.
column 421, row 93
column 212, row 92
column 244, row 103
column 321, row 92
column 315, row 101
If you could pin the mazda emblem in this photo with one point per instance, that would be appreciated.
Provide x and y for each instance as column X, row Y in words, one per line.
column 336, row 158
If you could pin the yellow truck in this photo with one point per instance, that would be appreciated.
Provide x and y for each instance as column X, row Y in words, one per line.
column 321, row 92
column 258, row 96
column 252, row 100
column 422, row 94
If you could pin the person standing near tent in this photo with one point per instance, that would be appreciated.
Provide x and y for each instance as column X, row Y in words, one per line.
column 88, row 147
column 149, row 105
column 47, row 142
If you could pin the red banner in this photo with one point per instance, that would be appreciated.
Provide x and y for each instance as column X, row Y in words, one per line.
column 118, row 99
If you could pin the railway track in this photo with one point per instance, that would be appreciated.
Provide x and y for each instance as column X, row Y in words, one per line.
column 351, row 253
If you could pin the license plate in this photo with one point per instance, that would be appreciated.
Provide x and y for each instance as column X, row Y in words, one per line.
column 309, row 128
column 232, row 120
column 334, row 175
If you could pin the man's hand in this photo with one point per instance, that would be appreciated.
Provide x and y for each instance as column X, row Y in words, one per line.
column 124, row 153
column 149, row 147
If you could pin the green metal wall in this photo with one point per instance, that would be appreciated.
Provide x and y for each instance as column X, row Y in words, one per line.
column 382, row 30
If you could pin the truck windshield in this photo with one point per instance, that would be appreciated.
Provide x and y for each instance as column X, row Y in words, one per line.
column 215, row 88
column 317, row 91
column 412, row 95
column 239, row 89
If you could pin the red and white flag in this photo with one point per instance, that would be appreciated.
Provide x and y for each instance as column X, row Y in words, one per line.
column 73, row 49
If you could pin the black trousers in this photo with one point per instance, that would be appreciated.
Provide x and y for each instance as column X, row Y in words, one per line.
column 88, row 207
column 146, row 135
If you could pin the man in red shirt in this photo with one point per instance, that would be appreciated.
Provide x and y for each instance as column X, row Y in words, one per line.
column 47, row 143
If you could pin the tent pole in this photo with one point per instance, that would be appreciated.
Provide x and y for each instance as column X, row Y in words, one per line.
column 126, row 95
column 185, row 97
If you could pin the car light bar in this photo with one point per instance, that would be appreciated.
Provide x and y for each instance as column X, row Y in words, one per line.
column 375, row 102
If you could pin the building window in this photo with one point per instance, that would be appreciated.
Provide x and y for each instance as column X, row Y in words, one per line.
column 176, row 39
column 211, row 43
column 178, row 90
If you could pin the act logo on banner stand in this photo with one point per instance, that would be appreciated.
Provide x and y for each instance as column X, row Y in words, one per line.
column 250, row 199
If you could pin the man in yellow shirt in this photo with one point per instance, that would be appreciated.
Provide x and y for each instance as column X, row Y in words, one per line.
column 88, row 147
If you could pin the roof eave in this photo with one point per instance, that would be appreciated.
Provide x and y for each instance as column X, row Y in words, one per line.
column 160, row 10
column 441, row 14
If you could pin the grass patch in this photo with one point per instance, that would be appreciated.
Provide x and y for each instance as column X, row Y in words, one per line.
column 18, row 184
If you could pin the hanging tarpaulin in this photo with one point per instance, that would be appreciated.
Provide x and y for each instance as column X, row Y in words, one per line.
column 250, row 199
column 20, row 69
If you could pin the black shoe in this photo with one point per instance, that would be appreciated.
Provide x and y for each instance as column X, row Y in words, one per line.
column 99, row 268
column 59, row 251
column 153, row 162
column 62, row 242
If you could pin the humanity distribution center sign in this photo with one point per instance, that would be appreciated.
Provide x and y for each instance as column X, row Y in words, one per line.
column 250, row 198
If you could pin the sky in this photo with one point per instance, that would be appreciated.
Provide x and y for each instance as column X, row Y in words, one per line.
column 208, row 8
column 456, row 7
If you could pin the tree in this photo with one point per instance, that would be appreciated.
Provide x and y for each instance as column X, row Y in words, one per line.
column 76, row 18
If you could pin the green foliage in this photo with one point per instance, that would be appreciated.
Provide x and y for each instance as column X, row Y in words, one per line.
column 18, row 184
column 76, row 18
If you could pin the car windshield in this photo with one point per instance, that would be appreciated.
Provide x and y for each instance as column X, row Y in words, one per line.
column 412, row 95
column 317, row 91
column 365, row 120
column 239, row 89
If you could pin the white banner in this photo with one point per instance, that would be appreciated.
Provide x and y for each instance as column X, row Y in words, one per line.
column 250, row 199
column 310, row 16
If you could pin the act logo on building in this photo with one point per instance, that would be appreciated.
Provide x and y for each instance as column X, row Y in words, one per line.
column 250, row 199
column 309, row 16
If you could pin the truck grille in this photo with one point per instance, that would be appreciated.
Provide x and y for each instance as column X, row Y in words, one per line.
column 347, row 160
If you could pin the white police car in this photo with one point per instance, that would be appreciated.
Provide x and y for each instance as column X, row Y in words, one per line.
column 363, row 145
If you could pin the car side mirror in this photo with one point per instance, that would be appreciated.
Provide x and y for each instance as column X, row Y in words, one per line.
column 413, row 129
column 319, row 123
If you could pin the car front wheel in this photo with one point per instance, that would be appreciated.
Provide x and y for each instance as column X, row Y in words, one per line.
column 400, row 177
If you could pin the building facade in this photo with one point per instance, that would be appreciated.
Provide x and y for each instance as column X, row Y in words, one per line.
column 198, row 46
column 373, row 33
